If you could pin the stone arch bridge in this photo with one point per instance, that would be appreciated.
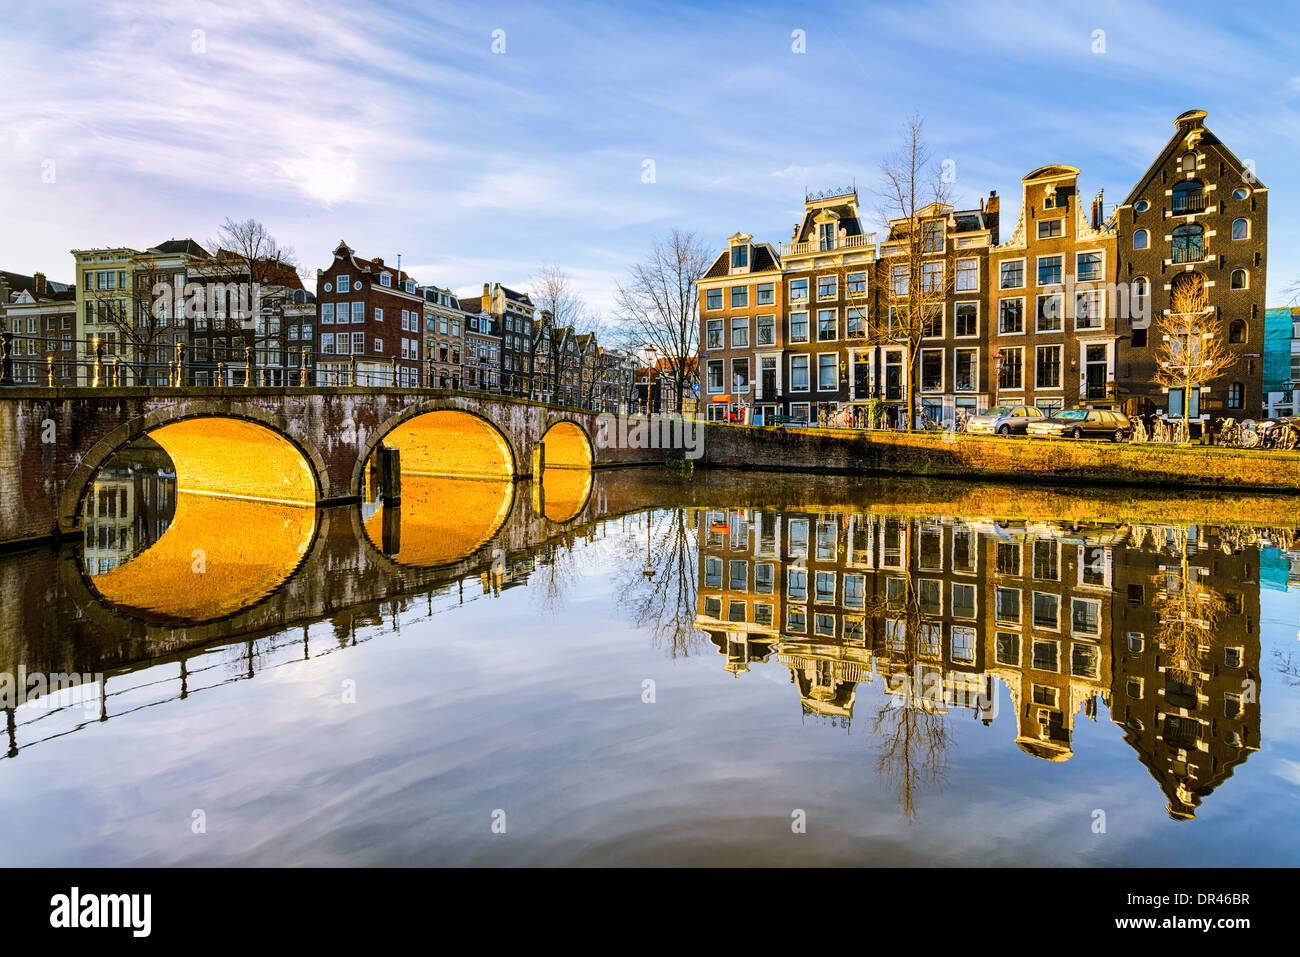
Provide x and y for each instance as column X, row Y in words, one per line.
column 299, row 446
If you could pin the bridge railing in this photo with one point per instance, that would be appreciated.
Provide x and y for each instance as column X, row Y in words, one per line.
column 60, row 360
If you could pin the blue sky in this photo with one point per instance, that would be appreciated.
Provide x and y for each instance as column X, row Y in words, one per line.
column 397, row 128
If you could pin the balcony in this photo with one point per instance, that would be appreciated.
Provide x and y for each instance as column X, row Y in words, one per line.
column 1188, row 203
column 843, row 242
column 1190, row 253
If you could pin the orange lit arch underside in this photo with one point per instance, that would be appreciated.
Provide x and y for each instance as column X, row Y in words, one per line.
column 564, row 493
column 566, row 447
column 235, row 458
column 451, row 443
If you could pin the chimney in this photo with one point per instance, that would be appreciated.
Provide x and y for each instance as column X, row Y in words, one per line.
column 1096, row 210
column 486, row 303
column 39, row 286
column 991, row 209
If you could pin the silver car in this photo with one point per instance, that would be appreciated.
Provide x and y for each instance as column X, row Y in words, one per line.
column 1004, row 419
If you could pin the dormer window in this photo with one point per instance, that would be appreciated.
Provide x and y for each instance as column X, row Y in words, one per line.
column 739, row 257
column 385, row 279
column 826, row 236
column 932, row 237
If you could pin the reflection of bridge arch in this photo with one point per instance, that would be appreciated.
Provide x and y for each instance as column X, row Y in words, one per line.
column 565, row 493
column 441, row 441
column 219, row 556
column 223, row 449
column 441, row 519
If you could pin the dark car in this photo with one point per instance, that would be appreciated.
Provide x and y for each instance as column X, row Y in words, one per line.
column 1083, row 423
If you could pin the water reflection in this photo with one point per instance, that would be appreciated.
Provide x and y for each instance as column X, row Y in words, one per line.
column 440, row 519
column 1160, row 624
column 161, row 553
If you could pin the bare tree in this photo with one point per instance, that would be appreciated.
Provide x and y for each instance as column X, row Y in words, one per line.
column 1192, row 350
column 914, row 273
column 1189, row 615
column 563, row 312
column 659, row 304
column 143, row 326
column 658, row 583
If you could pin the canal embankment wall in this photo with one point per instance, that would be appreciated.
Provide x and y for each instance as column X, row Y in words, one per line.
column 974, row 457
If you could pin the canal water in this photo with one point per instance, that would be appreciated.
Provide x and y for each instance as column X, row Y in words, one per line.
column 638, row 667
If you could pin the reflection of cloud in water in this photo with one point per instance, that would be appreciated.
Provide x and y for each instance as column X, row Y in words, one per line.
column 218, row 556
column 443, row 519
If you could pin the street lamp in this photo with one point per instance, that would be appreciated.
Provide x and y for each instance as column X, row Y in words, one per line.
column 649, row 373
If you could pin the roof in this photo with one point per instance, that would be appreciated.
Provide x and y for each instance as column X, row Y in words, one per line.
column 516, row 296
column 765, row 259
column 1187, row 125
column 186, row 246
column 18, row 282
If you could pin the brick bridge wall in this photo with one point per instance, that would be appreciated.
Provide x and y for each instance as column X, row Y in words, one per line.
column 53, row 441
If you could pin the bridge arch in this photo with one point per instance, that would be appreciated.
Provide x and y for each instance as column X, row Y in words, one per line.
column 567, row 446
column 438, row 439
column 256, row 458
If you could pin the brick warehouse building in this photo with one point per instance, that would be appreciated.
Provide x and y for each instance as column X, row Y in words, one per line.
column 370, row 314
column 1056, row 308
column 1198, row 208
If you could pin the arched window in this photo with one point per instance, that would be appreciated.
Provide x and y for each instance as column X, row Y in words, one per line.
column 1240, row 229
column 1188, row 163
column 1139, row 304
column 1237, row 331
column 1236, row 395
column 1189, row 197
column 1240, row 279
column 1140, row 239
column 1189, row 243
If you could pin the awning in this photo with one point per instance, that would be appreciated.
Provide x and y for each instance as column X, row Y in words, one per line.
column 722, row 398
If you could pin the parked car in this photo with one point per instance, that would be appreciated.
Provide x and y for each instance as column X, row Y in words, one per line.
column 1084, row 423
column 1004, row 419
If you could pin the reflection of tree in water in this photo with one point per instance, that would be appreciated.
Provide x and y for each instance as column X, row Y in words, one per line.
column 912, row 723
column 1287, row 668
column 1189, row 614
column 662, row 602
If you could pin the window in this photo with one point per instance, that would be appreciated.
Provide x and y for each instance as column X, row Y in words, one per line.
column 932, row 324
column 1046, row 655
column 1087, row 267
column 932, row 370
column 1048, row 375
column 739, row 257
column 358, row 312
column 343, row 283
column 1240, row 229
column 1047, row 609
column 898, row 280
column 763, row 578
column 1011, row 316
column 1050, row 228
column 1237, row 331
column 1083, row 660
column 1049, row 270
column 766, row 330
column 796, row 586
column 766, row 293
column 1236, row 395
column 1141, row 206
column 1240, row 280
column 798, row 327
column 1189, row 243
column 965, row 370
column 739, row 297
column 798, row 290
column 968, row 275
column 856, row 323
column 327, row 342
column 740, row 333
column 827, row 377
column 1188, row 163
column 1007, row 648
column 966, row 319
column 1085, row 616
column 827, row 287
column 1188, row 197
column 1141, row 239
column 826, row 325
column 1012, row 274
column 713, row 335
column 1049, row 312
column 798, row 373
column 713, row 299
column 327, row 313
column 932, row 276
column 932, row 237
column 715, row 383
column 379, row 314
column 1088, row 309
column 963, row 601
column 856, row 283
column 1011, row 374
column 1006, row 604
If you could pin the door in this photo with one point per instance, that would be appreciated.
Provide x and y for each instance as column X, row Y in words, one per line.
column 861, row 376
column 768, row 377
column 1095, row 365
column 893, row 376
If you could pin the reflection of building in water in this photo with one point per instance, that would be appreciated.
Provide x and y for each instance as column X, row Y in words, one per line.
column 1185, row 682
column 1065, row 618
column 129, row 506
